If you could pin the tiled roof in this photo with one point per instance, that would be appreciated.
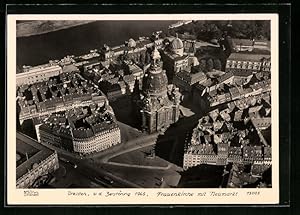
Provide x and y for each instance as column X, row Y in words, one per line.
column 242, row 73
column 225, row 77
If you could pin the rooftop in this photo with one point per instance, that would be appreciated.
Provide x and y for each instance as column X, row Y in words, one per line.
column 57, row 91
column 82, row 122
column 35, row 153
column 224, row 126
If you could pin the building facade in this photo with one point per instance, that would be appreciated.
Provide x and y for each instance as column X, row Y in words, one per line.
column 33, row 161
column 174, row 58
column 84, row 130
column 98, row 142
column 131, row 48
column 31, row 75
column 178, row 55
column 185, row 80
column 248, row 61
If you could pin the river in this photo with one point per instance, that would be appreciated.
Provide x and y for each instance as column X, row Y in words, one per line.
column 39, row 49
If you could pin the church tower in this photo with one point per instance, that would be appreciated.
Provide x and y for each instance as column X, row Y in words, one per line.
column 158, row 102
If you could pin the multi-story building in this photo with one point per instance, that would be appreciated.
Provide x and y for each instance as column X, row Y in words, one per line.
column 31, row 75
column 34, row 162
column 134, row 70
column 175, row 59
column 234, row 85
column 185, row 80
column 115, row 80
column 82, row 130
column 245, row 54
column 158, row 103
column 94, row 142
column 59, row 93
column 133, row 49
column 248, row 61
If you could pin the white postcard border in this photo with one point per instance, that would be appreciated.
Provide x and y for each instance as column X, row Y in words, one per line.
column 200, row 195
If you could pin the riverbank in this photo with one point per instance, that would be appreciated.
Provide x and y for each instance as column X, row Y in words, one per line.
column 30, row 28
column 39, row 49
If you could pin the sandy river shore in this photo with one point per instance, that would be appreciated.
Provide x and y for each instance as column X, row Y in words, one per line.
column 29, row 28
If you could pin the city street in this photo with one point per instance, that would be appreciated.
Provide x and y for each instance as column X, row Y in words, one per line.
column 96, row 172
column 98, row 166
column 68, row 176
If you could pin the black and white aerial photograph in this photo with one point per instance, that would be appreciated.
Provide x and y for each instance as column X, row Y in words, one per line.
column 143, row 104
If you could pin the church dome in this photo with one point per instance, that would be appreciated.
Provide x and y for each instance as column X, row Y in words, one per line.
column 177, row 44
column 155, row 81
column 131, row 43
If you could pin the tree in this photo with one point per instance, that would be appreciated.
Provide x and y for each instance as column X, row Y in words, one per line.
column 142, row 57
column 209, row 64
column 147, row 58
column 217, row 64
column 172, row 32
column 207, row 30
column 202, row 63
column 193, row 31
column 163, row 35
column 216, row 34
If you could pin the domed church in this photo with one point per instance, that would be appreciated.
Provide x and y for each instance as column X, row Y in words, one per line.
column 157, row 102
column 175, row 59
column 131, row 43
column 177, row 46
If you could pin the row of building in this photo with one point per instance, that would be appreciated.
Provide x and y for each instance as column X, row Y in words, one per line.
column 118, row 67
column 40, row 73
column 115, row 80
column 116, row 76
column 231, row 86
column 61, row 92
column 245, row 61
column 232, row 134
column 69, row 112
column 246, row 73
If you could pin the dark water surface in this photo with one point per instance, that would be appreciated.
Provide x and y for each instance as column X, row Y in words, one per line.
column 38, row 49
